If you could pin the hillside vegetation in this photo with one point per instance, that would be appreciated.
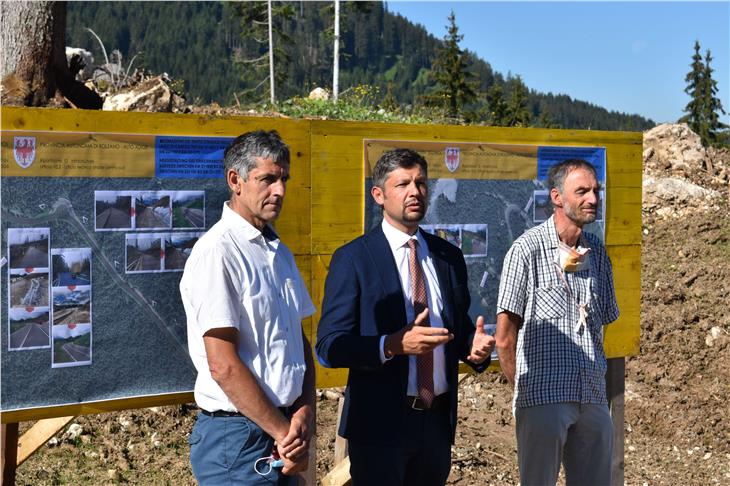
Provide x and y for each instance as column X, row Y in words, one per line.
column 201, row 44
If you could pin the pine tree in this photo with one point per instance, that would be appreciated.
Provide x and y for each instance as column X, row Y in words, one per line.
column 455, row 87
column 517, row 113
column 711, row 105
column 695, row 83
column 546, row 119
column 496, row 105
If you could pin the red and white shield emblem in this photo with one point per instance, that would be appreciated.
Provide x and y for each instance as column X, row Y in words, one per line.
column 452, row 157
column 24, row 151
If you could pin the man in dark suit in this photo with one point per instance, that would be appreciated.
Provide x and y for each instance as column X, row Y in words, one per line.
column 395, row 313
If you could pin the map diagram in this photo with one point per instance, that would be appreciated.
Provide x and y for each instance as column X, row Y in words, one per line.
column 138, row 336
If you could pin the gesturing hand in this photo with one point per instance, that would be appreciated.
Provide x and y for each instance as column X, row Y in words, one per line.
column 483, row 344
column 417, row 337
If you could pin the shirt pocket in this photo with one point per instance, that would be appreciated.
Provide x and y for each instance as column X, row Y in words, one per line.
column 550, row 302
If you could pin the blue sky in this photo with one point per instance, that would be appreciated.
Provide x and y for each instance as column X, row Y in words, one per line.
column 625, row 56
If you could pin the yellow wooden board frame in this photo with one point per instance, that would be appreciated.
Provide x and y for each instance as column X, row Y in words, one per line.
column 325, row 202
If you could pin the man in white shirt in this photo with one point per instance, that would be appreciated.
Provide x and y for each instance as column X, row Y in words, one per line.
column 244, row 299
column 395, row 313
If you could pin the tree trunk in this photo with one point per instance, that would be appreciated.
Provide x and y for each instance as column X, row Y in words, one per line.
column 33, row 52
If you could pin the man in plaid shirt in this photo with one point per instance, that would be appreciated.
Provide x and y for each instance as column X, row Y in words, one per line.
column 556, row 294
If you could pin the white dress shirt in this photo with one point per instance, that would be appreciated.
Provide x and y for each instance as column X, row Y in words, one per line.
column 235, row 278
column 398, row 242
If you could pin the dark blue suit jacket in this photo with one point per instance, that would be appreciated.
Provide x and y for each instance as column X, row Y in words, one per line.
column 364, row 300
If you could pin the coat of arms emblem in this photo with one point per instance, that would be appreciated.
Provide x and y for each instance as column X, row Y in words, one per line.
column 24, row 151
column 452, row 157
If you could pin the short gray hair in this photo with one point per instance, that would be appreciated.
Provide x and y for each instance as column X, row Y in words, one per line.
column 395, row 159
column 559, row 171
column 242, row 153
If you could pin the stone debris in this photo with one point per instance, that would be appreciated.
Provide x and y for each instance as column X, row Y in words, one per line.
column 680, row 175
column 73, row 432
column 152, row 95
column 319, row 94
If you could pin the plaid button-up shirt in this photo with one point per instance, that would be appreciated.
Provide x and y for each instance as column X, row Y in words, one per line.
column 558, row 361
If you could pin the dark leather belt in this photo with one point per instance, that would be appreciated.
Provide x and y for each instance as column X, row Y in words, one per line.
column 440, row 402
column 224, row 413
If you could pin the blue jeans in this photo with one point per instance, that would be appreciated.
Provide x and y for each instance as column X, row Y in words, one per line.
column 223, row 451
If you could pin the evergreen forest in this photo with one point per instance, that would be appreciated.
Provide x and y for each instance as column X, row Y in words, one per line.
column 215, row 51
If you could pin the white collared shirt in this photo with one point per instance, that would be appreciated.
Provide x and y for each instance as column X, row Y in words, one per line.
column 398, row 242
column 235, row 278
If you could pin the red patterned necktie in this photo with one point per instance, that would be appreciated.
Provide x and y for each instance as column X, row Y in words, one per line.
column 424, row 361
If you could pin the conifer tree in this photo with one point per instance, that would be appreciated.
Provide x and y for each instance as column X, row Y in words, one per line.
column 455, row 87
column 496, row 105
column 546, row 119
column 694, row 80
column 711, row 105
column 517, row 113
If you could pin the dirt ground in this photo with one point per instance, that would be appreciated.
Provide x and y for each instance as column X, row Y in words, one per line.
column 677, row 424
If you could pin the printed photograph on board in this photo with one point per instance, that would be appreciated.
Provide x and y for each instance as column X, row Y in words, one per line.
column 71, row 305
column 177, row 249
column 188, row 209
column 71, row 345
column 29, row 328
column 71, row 266
column 28, row 289
column 474, row 240
column 152, row 210
column 542, row 207
column 113, row 211
column 601, row 209
column 449, row 232
column 28, row 248
column 143, row 253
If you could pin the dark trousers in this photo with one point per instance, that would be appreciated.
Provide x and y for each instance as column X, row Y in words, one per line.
column 422, row 457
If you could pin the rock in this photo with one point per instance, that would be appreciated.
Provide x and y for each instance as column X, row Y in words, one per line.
column 675, row 146
column 152, row 95
column 674, row 189
column 716, row 335
column 319, row 94
column 73, row 432
column 332, row 395
column 113, row 474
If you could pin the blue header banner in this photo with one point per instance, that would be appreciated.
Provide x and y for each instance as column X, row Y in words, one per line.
column 549, row 156
column 190, row 157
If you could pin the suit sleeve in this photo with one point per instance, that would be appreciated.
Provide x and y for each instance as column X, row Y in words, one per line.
column 340, row 343
column 461, row 294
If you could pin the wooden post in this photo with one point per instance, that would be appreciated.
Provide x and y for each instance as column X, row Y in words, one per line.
column 340, row 442
column 41, row 432
column 8, row 453
column 615, row 386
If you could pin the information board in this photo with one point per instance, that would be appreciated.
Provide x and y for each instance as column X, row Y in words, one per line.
column 97, row 229
column 482, row 197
